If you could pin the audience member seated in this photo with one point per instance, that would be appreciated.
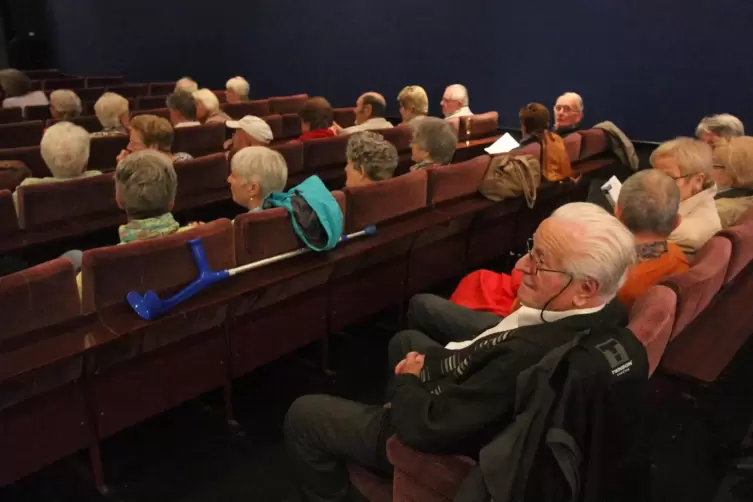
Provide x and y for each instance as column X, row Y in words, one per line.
column 371, row 159
column 145, row 187
column 256, row 172
column 237, row 90
column 434, row 142
column 456, row 401
column 414, row 103
column 186, row 84
column 208, row 108
column 455, row 102
column 249, row 131
column 316, row 119
column 534, row 121
column 733, row 174
column 112, row 111
column 65, row 151
column 65, row 105
column 568, row 114
column 371, row 108
column 689, row 162
column 16, row 87
column 648, row 206
column 149, row 132
column 718, row 128
column 182, row 108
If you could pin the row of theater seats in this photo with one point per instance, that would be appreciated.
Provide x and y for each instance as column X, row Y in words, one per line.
column 50, row 212
column 72, row 374
column 692, row 326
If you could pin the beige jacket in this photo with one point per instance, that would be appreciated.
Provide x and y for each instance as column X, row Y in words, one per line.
column 700, row 221
column 620, row 145
column 730, row 210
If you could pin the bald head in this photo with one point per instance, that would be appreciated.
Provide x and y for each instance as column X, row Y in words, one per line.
column 568, row 110
column 648, row 203
column 370, row 105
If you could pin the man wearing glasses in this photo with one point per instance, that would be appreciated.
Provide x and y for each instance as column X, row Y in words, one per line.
column 455, row 401
column 568, row 114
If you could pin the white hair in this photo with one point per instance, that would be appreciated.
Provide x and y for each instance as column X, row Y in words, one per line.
column 575, row 96
column 458, row 92
column 66, row 103
column 239, row 86
column 110, row 108
column 723, row 125
column 208, row 100
column 692, row 156
column 65, row 149
column 186, row 84
column 259, row 164
column 604, row 249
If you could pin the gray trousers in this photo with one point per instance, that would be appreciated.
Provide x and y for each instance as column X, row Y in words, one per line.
column 444, row 321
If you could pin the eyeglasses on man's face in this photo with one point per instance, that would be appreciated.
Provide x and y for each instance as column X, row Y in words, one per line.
column 537, row 264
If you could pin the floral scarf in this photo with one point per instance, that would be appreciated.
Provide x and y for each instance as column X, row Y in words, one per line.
column 149, row 228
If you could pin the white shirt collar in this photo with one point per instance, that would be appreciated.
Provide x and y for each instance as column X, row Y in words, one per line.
column 460, row 112
column 188, row 124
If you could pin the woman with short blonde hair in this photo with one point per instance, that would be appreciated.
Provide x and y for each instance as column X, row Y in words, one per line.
column 155, row 133
column 733, row 173
column 112, row 111
column 414, row 102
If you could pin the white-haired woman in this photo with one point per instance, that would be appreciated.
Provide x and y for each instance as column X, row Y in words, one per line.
column 689, row 162
column 255, row 172
column 65, row 150
column 237, row 90
column 65, row 105
column 208, row 108
column 186, row 84
column 112, row 111
column 719, row 128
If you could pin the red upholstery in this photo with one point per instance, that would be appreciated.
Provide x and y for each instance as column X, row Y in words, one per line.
column 741, row 237
column 202, row 181
column 573, row 143
column 103, row 81
column 69, row 207
column 151, row 102
column 275, row 124
column 325, row 157
column 130, row 90
column 89, row 122
column 9, row 230
column 30, row 156
column 200, row 140
column 159, row 112
column 697, row 287
column 11, row 115
column 291, row 126
column 287, row 104
column 400, row 136
column 481, row 126
column 21, row 134
column 90, row 93
column 37, row 112
column 423, row 476
column 65, row 83
column 103, row 152
column 43, row 74
column 161, row 88
column 456, row 180
column 651, row 320
column 221, row 96
column 258, row 108
column 371, row 486
column 344, row 117
column 293, row 154
column 593, row 142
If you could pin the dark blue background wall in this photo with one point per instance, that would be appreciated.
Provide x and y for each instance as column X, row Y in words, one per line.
column 655, row 68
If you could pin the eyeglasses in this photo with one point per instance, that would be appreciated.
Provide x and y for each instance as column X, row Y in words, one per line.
column 537, row 264
column 564, row 108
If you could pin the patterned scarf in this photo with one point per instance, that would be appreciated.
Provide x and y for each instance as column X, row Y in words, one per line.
column 651, row 250
column 149, row 228
column 422, row 165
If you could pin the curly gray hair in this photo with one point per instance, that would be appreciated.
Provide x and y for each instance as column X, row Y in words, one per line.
column 372, row 154
column 437, row 137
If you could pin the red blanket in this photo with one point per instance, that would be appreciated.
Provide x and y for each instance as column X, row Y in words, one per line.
column 489, row 291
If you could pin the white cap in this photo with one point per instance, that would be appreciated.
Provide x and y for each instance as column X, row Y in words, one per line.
column 253, row 126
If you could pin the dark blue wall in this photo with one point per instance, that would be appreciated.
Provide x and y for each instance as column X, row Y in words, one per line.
column 654, row 68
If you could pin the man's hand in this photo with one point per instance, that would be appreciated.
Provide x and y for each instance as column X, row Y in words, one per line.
column 412, row 364
column 335, row 128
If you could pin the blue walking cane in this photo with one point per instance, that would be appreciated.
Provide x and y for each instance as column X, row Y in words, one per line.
column 150, row 305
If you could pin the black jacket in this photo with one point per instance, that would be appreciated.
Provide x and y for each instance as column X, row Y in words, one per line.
column 734, row 193
column 564, row 131
column 470, row 412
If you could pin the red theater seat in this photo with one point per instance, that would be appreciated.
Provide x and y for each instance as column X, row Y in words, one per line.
column 130, row 90
column 291, row 126
column 287, row 104
column 200, row 140
column 21, row 134
column 89, row 122
column 258, row 108
column 151, row 102
column 651, row 320
column 325, row 157
column 90, row 93
column 202, row 181
column 292, row 152
column 477, row 126
column 11, row 115
column 103, row 81
column 161, row 88
column 72, row 83
column 103, row 152
column 344, row 117
column 10, row 234
column 275, row 124
column 159, row 112
column 30, row 156
column 43, row 74
column 37, row 112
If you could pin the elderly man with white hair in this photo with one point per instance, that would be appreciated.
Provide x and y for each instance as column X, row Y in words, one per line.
column 112, row 111
column 208, row 108
column 256, row 172
column 720, row 127
column 371, row 107
column 568, row 113
column 237, row 90
column 456, row 399
column 186, row 84
column 455, row 102
column 65, row 105
column 65, row 151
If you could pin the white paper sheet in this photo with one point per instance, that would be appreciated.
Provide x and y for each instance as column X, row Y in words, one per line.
column 611, row 190
column 502, row 145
